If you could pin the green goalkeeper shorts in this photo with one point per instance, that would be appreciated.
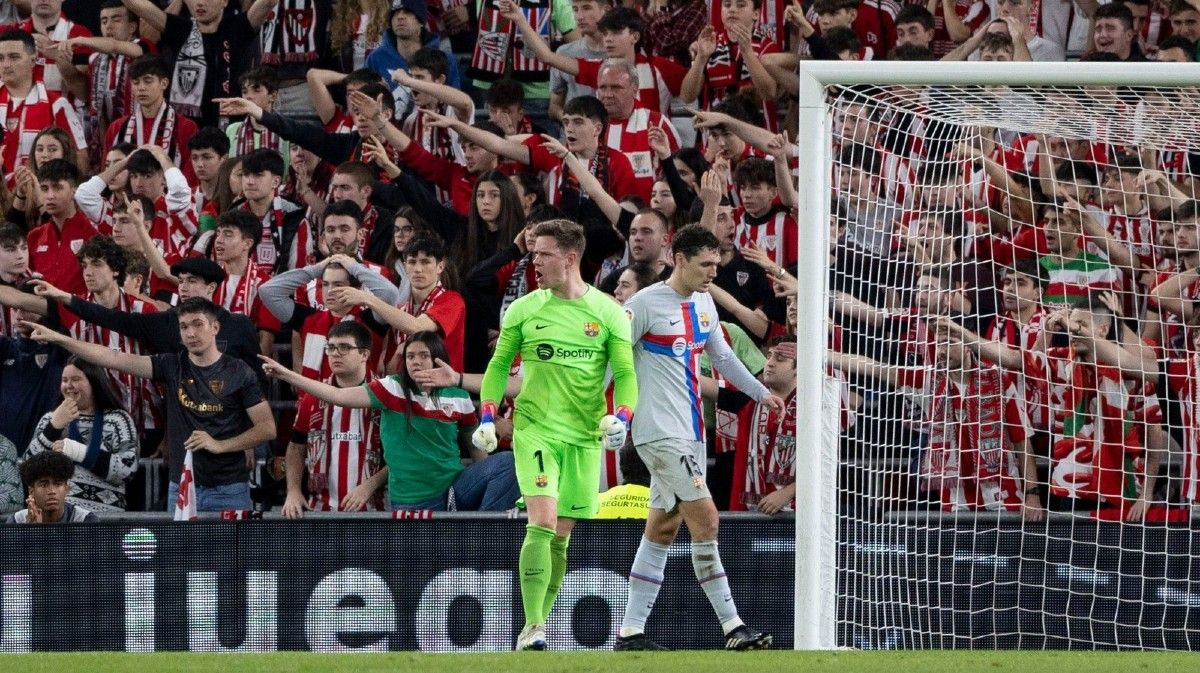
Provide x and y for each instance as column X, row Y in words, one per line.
column 567, row 472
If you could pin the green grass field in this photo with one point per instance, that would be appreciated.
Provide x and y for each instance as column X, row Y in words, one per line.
column 571, row 662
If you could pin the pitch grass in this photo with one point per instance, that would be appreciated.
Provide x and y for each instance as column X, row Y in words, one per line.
column 776, row 661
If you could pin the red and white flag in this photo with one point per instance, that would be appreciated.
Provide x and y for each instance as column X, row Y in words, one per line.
column 185, row 502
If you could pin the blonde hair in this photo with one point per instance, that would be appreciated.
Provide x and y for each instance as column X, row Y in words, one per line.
column 347, row 11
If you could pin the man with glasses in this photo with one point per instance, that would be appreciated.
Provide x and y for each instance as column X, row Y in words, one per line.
column 338, row 447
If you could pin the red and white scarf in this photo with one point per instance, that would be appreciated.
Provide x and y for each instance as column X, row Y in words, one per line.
column 500, row 47
column 161, row 131
column 290, row 33
column 109, row 92
column 771, row 451
column 967, row 429
column 269, row 245
column 243, row 297
column 249, row 137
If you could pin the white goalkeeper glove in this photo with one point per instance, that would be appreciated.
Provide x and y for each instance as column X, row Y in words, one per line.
column 614, row 427
column 484, row 437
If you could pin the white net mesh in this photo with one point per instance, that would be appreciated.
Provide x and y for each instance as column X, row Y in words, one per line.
column 1012, row 288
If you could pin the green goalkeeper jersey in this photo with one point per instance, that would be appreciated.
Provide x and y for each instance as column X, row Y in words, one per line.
column 566, row 346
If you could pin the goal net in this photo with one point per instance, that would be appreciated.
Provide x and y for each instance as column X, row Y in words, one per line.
column 1009, row 304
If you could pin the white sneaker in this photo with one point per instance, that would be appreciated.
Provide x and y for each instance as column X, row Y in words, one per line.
column 533, row 637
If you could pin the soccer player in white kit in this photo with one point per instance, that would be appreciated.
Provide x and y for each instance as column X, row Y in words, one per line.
column 672, row 321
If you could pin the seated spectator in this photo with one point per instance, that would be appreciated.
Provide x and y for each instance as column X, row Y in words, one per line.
column 91, row 428
column 424, row 430
column 47, row 478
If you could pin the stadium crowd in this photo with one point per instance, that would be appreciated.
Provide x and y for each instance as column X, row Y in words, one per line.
column 353, row 184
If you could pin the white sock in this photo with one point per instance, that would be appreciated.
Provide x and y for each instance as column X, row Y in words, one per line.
column 645, row 579
column 706, row 561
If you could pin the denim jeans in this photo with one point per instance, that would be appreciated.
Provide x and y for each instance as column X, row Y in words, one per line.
column 214, row 498
column 489, row 485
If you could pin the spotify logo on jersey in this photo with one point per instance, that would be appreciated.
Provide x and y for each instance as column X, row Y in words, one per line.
column 545, row 351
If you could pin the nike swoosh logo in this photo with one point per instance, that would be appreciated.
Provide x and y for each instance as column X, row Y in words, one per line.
column 578, row 507
column 532, row 573
column 676, row 322
column 540, row 326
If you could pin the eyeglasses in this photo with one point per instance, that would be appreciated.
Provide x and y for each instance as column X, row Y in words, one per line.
column 341, row 349
column 407, row 228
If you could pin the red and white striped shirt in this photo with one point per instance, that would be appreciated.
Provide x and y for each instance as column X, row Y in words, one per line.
column 344, row 449
column 776, row 233
column 974, row 13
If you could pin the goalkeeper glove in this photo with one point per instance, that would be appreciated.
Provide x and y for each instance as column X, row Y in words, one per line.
column 484, row 437
column 614, row 427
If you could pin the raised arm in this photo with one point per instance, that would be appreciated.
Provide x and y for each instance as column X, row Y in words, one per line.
column 149, row 12
column 137, row 365
column 278, row 294
column 456, row 99
column 107, row 45
column 1170, row 294
column 491, row 142
column 753, row 320
column 353, row 398
column 859, row 365
column 319, row 82
column 257, row 12
column 764, row 84
column 443, row 375
column 959, row 31
column 588, row 183
column 12, row 297
column 701, row 50
column 758, row 138
column 992, row 351
column 1117, row 252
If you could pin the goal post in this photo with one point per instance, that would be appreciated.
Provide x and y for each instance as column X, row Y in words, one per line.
column 820, row 575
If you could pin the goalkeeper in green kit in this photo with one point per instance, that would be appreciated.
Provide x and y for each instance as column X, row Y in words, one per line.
column 568, row 333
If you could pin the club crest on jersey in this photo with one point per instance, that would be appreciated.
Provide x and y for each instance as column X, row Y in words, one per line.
column 704, row 322
column 629, row 314
column 591, row 329
column 76, row 245
column 216, row 387
column 743, row 277
column 542, row 481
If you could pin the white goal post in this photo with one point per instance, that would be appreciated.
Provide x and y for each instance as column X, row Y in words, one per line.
column 816, row 541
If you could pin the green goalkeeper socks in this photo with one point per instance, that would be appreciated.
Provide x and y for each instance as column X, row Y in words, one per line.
column 558, row 570
column 536, row 569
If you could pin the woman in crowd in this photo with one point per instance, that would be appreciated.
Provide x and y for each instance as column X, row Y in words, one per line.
column 91, row 428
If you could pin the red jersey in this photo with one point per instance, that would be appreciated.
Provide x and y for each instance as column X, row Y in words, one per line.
column 46, row 71
column 52, row 251
column 727, row 73
column 313, row 337
column 1096, row 441
column 1183, row 376
column 448, row 176
column 448, row 311
column 239, row 294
